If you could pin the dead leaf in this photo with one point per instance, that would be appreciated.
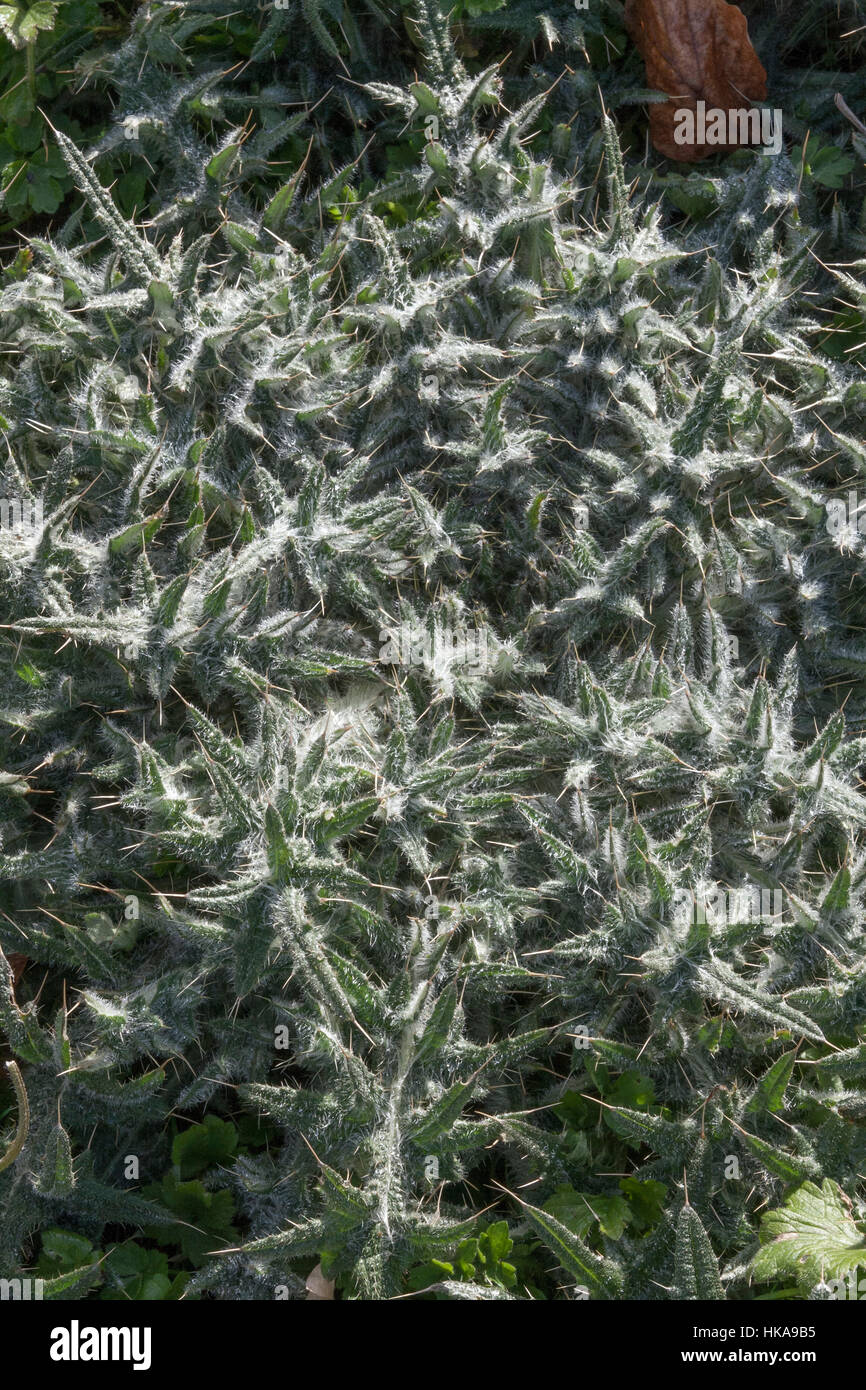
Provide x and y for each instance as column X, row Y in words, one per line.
column 17, row 963
column 695, row 50
column 318, row 1287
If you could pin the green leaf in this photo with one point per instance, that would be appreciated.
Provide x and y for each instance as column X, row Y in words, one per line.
column 240, row 238
column 135, row 537
column 602, row 1276
column 41, row 15
column 771, row 1088
column 278, row 207
column 58, row 1177
column 212, row 1142
column 580, row 1211
column 498, row 1241
column 788, row 1167
column 696, row 1269
column 442, row 1114
column 426, row 99
column 646, row 1199
column 204, row 1218
column 811, row 1237
column 63, row 1251
column 221, row 163
column 135, row 1273
column 438, row 1025
column 280, row 859
column 826, row 164
column 839, row 893
column 666, row 1137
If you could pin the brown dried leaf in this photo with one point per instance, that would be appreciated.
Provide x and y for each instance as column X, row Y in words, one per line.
column 318, row 1287
column 17, row 963
column 695, row 50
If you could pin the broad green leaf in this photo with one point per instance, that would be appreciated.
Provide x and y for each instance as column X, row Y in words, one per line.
column 811, row 1237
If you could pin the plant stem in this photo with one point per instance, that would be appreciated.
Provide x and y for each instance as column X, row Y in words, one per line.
column 31, row 72
column 23, row 1117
